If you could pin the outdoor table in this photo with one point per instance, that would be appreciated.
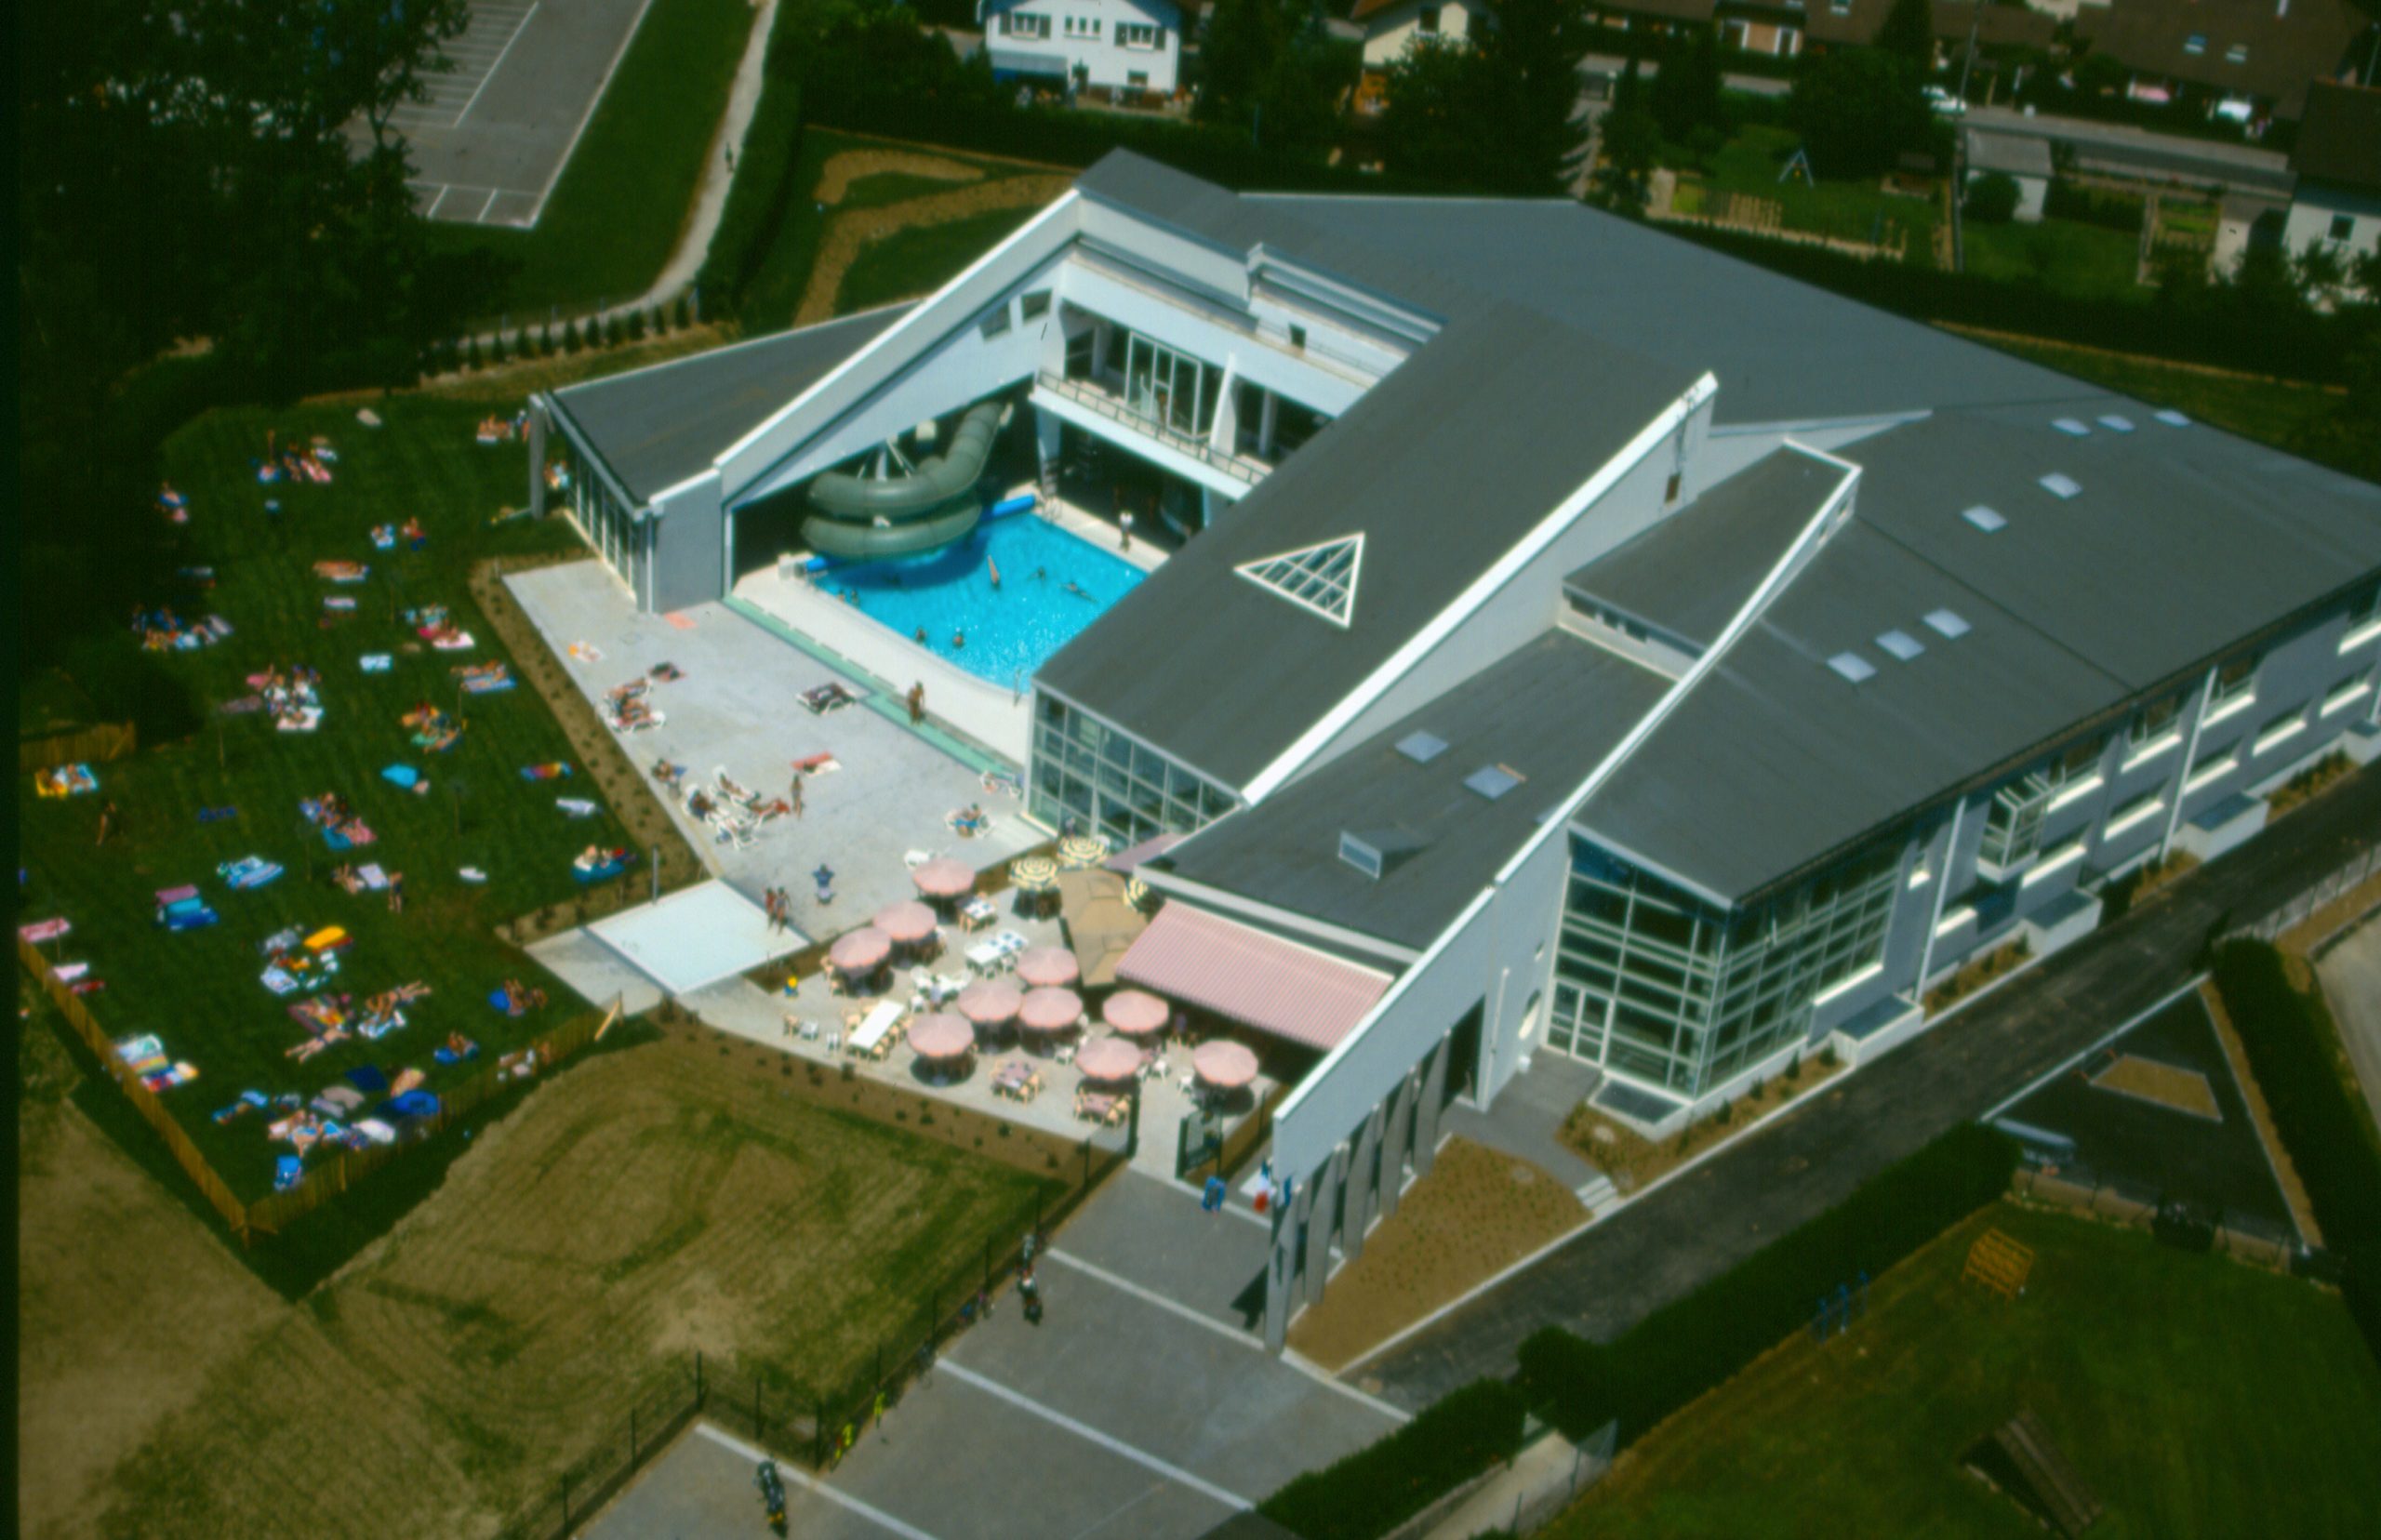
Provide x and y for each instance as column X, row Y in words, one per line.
column 872, row 1036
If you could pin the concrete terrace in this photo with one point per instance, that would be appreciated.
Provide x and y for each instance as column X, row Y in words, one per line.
column 738, row 709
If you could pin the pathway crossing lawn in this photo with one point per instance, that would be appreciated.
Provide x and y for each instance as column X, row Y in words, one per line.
column 2195, row 1395
column 200, row 990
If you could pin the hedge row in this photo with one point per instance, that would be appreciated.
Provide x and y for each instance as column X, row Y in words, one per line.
column 1692, row 1344
column 1061, row 136
column 2287, row 1035
column 1378, row 1488
column 2220, row 330
column 763, row 186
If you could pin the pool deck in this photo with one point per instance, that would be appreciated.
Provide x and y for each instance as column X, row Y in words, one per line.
column 738, row 709
column 996, row 717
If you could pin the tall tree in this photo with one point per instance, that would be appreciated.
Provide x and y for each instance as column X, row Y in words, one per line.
column 1857, row 109
column 1685, row 94
column 1630, row 139
column 1908, row 34
column 1534, row 49
column 1438, row 97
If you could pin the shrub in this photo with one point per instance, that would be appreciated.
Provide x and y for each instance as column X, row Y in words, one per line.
column 1379, row 1487
column 686, row 311
column 2287, row 1036
column 1992, row 198
column 471, row 353
column 1692, row 1344
column 636, row 325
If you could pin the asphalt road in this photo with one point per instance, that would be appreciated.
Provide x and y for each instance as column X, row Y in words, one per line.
column 1660, row 1247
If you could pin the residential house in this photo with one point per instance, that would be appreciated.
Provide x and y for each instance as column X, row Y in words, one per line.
column 1122, row 45
column 1392, row 26
column 2337, row 201
column 2245, row 58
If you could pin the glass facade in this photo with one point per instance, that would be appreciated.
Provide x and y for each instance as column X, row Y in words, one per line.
column 2012, row 830
column 1670, row 990
column 1089, row 778
column 608, row 524
column 1169, row 387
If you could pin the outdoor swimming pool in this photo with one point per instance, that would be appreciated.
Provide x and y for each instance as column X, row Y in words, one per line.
column 1053, row 584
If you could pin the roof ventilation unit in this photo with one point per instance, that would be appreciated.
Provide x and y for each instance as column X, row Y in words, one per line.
column 1852, row 666
column 2116, row 424
column 2173, row 419
column 1492, row 781
column 1376, row 851
column 1949, row 624
column 1984, row 519
column 1421, row 748
column 1901, row 644
column 2072, row 428
column 2060, row 486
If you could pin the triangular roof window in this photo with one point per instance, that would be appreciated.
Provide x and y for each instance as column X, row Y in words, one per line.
column 1319, row 578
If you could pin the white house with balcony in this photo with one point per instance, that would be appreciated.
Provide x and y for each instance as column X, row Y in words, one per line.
column 1392, row 26
column 1122, row 45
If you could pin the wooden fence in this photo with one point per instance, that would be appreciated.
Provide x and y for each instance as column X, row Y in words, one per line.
column 274, row 1212
column 144, row 1101
column 94, row 745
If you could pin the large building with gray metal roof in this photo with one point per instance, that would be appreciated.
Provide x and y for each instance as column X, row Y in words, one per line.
column 1574, row 643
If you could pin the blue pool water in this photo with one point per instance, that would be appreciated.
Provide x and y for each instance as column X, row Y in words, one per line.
column 1011, row 630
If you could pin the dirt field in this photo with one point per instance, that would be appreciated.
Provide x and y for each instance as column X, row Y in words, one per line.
column 2183, row 1090
column 1477, row 1212
column 649, row 1204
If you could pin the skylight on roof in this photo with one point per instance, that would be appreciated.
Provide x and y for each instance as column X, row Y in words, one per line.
column 1949, row 624
column 2116, row 424
column 2173, row 419
column 1492, row 781
column 1852, row 666
column 1984, row 519
column 1901, row 644
column 1421, row 748
column 2060, row 486
column 2072, row 428
column 1320, row 578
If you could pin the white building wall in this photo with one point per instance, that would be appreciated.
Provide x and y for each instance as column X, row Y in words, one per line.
column 1086, row 34
column 2315, row 210
column 1389, row 33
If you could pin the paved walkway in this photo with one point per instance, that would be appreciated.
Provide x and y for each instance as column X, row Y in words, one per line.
column 1131, row 1411
column 1677, row 1237
column 2352, row 975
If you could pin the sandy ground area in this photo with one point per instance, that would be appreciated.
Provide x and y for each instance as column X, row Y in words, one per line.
column 851, row 232
column 649, row 1204
column 1477, row 1212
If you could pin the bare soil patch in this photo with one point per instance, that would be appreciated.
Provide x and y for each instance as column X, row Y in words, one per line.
column 1476, row 1212
column 836, row 178
column 851, row 232
column 655, row 1202
column 2183, row 1090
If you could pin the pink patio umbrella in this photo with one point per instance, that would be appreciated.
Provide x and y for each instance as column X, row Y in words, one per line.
column 990, row 1002
column 1108, row 1059
column 945, row 878
column 1134, row 1012
column 1047, row 967
column 1049, row 1010
column 907, row 921
column 1224, row 1064
column 859, row 950
column 941, row 1035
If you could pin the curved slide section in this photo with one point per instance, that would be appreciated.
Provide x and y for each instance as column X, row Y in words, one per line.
column 858, row 518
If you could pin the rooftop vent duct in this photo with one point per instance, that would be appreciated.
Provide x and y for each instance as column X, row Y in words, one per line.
column 1375, row 852
column 1949, row 624
column 2060, row 486
column 1493, row 780
column 1852, row 666
column 1901, row 644
column 2173, row 419
column 1421, row 748
column 2116, row 424
column 1984, row 519
column 2072, row 428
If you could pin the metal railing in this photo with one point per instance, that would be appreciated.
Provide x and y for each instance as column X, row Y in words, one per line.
column 1085, row 394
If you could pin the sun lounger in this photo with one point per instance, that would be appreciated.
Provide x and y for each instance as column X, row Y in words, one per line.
column 610, row 867
column 817, row 764
column 827, row 698
column 551, row 770
column 45, row 930
column 377, row 663
column 577, row 807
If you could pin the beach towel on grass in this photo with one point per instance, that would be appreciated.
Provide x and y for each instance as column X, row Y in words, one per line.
column 577, row 807
column 401, row 775
column 287, row 1172
column 45, row 930
column 551, row 770
column 367, row 1079
column 378, row 662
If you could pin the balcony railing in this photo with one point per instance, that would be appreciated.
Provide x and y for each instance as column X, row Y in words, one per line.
column 1082, row 392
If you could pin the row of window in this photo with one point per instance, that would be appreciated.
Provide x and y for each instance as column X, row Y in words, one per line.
column 1089, row 777
column 1033, row 27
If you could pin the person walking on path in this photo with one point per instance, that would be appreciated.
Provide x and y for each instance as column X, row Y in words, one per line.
column 107, row 821
column 917, row 703
column 797, row 793
column 397, row 893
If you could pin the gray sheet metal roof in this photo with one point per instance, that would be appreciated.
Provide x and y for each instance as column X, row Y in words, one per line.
column 1443, row 465
column 1690, row 574
column 2183, row 541
column 2016, row 154
column 657, row 426
column 1551, row 711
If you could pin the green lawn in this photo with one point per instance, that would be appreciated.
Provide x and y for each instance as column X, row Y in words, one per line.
column 2086, row 260
column 920, row 260
column 200, row 990
column 614, row 216
column 892, row 187
column 1751, row 161
column 2197, row 1396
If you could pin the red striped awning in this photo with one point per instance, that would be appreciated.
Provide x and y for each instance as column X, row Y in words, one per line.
column 1262, row 981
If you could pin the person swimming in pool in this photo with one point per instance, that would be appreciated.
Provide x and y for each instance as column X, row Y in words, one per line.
column 922, row 636
column 1041, row 574
column 1076, row 589
column 958, row 640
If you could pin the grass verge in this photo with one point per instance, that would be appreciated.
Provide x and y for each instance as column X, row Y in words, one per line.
column 2197, row 1396
column 919, row 261
column 616, row 214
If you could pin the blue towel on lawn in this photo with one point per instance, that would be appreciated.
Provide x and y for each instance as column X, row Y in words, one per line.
column 401, row 775
column 413, row 1104
column 367, row 1079
column 608, row 870
column 287, row 1173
